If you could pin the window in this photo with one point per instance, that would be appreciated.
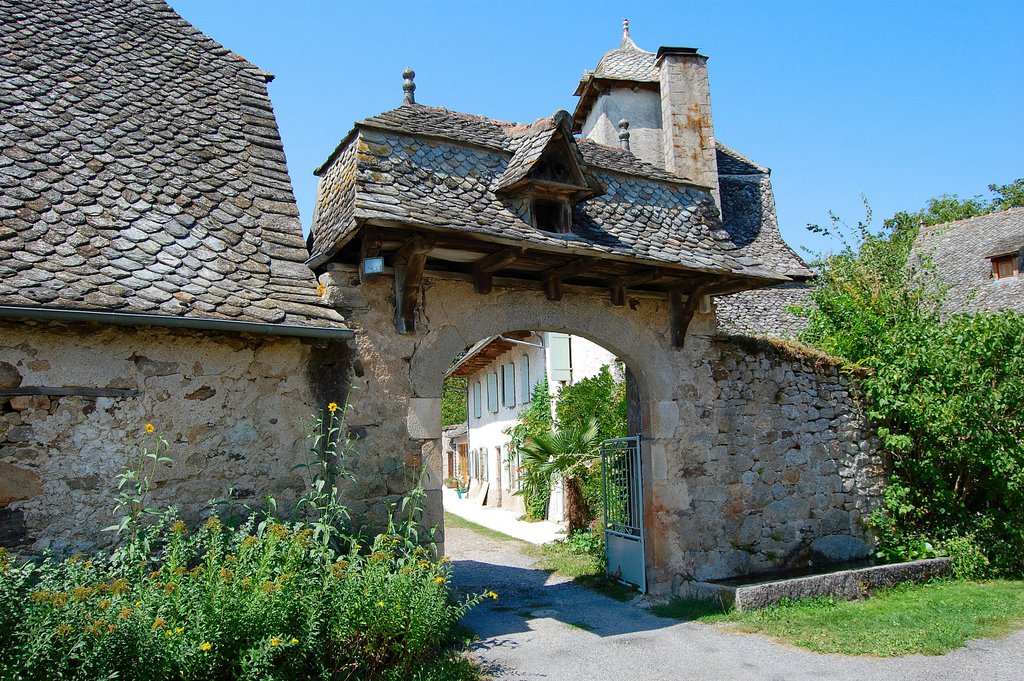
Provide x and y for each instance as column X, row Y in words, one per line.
column 524, row 378
column 551, row 216
column 1005, row 266
column 477, row 404
column 508, row 385
column 559, row 358
column 492, row 392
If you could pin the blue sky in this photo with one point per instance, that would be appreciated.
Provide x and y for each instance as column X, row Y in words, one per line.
column 899, row 101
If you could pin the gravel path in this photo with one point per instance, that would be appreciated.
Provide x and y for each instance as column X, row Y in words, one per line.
column 545, row 627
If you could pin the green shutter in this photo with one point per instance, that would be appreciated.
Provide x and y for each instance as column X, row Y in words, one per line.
column 559, row 358
column 492, row 392
column 524, row 379
column 508, row 385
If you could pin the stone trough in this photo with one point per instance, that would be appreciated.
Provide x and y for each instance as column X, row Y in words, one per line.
column 848, row 585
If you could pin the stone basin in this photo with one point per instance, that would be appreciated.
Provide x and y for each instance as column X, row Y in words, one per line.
column 852, row 584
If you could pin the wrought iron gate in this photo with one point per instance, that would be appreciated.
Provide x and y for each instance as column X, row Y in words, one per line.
column 624, row 510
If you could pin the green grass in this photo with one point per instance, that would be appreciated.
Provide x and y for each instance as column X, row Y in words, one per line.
column 927, row 619
column 584, row 569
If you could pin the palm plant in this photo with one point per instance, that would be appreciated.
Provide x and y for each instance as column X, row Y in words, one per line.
column 569, row 453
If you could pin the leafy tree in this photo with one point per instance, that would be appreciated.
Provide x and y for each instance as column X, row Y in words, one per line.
column 453, row 401
column 570, row 453
column 947, row 394
column 600, row 397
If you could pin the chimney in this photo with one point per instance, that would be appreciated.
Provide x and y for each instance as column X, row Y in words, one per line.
column 689, row 136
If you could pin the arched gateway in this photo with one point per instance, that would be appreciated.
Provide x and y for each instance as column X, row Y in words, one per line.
column 435, row 229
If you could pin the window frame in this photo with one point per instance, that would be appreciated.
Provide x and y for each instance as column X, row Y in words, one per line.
column 1013, row 259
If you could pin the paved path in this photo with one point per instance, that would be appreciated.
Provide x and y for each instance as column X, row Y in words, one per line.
column 545, row 627
column 499, row 519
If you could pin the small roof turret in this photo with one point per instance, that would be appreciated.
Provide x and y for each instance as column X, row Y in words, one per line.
column 627, row 66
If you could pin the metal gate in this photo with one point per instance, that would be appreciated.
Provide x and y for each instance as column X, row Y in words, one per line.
column 624, row 510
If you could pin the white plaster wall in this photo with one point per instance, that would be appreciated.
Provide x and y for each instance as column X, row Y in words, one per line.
column 642, row 108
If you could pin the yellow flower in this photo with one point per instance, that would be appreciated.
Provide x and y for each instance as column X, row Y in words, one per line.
column 332, row 407
column 492, row 595
column 179, row 630
column 138, row 604
column 439, row 580
column 294, row 640
column 380, row 604
column 170, row 633
column 150, row 429
column 276, row 641
column 205, row 647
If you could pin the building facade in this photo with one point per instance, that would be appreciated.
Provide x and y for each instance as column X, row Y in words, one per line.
column 501, row 374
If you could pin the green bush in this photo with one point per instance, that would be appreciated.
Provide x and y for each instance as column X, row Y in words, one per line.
column 947, row 395
column 267, row 599
column 967, row 558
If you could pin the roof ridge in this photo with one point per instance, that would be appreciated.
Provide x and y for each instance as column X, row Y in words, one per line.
column 1003, row 211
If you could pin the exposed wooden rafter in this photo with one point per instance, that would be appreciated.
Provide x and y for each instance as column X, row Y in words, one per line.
column 410, row 260
column 618, row 285
column 484, row 268
column 554, row 276
column 682, row 312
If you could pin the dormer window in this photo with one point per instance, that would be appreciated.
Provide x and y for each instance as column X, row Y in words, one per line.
column 1005, row 266
column 551, row 216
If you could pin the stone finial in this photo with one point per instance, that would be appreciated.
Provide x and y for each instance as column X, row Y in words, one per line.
column 627, row 41
column 409, row 87
column 624, row 134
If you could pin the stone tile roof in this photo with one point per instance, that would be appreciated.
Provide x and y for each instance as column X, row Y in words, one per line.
column 764, row 312
column 628, row 62
column 141, row 170
column 961, row 253
column 748, row 213
column 531, row 145
column 436, row 168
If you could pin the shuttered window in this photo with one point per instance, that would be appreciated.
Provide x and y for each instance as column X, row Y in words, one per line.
column 559, row 357
column 492, row 392
column 524, row 379
column 477, row 404
column 508, row 385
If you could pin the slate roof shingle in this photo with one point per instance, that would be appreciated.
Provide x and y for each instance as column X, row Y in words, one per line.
column 141, row 170
column 436, row 168
column 961, row 253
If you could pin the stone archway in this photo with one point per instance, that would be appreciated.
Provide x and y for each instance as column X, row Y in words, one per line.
column 398, row 378
column 749, row 454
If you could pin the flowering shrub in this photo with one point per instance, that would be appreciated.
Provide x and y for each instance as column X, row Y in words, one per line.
column 268, row 599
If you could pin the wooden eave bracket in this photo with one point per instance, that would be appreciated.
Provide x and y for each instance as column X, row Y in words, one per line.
column 410, row 261
column 484, row 268
column 554, row 276
column 682, row 312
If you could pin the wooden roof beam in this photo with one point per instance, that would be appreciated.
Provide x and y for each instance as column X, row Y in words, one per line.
column 618, row 285
column 554, row 276
column 484, row 268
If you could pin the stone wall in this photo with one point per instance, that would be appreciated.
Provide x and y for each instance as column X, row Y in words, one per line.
column 749, row 454
column 775, row 467
column 230, row 406
column 754, row 458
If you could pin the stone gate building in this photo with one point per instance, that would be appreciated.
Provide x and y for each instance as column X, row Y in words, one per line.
column 152, row 269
